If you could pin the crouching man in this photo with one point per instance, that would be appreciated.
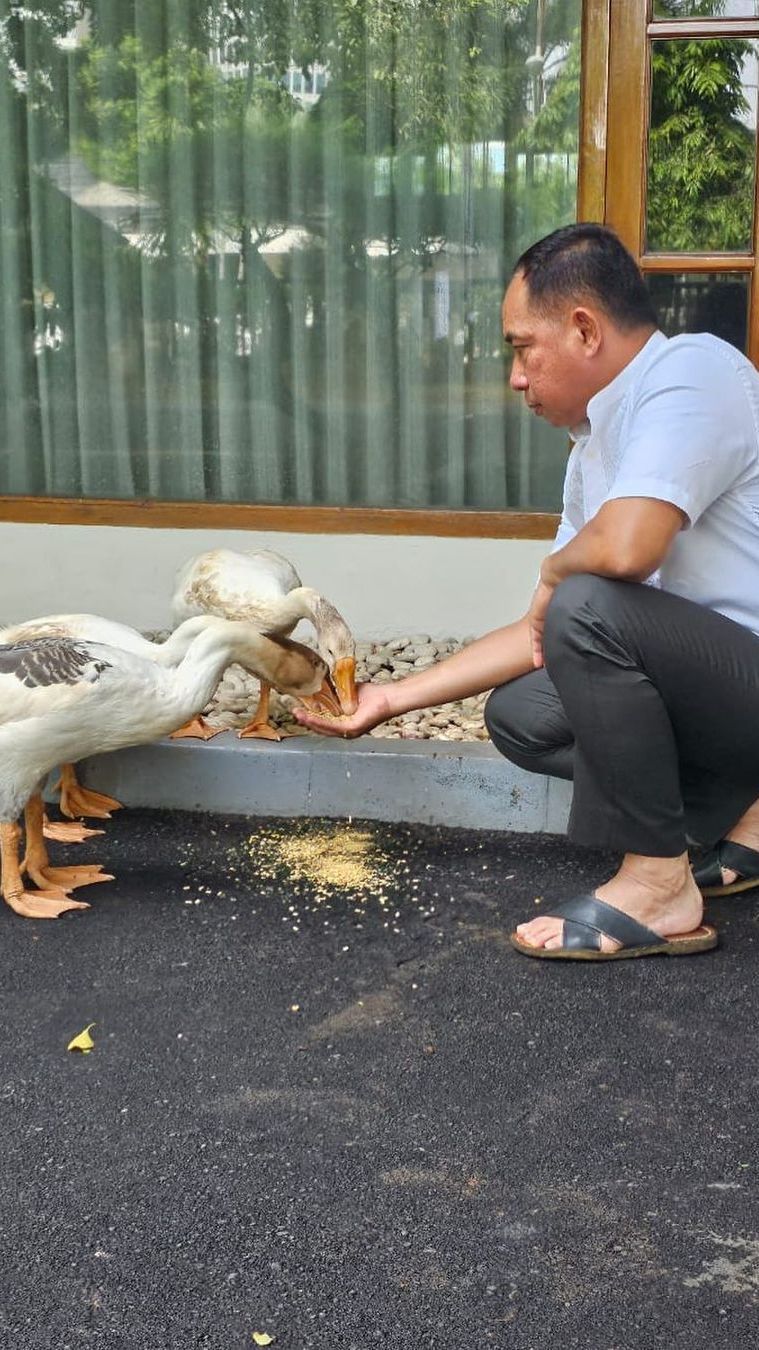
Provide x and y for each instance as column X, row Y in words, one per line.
column 635, row 672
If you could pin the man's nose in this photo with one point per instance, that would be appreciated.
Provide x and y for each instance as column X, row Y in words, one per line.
column 517, row 379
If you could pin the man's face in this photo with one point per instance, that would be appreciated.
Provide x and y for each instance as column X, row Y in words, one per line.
column 550, row 365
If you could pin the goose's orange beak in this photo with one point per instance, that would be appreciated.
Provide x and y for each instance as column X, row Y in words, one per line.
column 344, row 680
column 324, row 701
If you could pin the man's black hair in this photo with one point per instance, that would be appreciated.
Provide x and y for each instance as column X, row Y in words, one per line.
column 587, row 262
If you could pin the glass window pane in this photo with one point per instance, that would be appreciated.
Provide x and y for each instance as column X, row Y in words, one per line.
column 706, row 9
column 700, row 302
column 702, row 145
column 249, row 262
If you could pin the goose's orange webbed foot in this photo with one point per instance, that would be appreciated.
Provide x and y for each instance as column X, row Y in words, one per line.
column 65, row 878
column 261, row 731
column 198, row 729
column 77, row 800
column 36, row 863
column 258, row 727
column 67, row 831
column 41, row 904
column 44, row 904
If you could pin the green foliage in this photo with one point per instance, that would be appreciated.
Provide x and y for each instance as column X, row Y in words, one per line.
column 401, row 71
column 701, row 153
column 555, row 126
column 405, row 79
column 139, row 110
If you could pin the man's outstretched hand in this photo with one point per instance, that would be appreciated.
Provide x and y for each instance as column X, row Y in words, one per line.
column 373, row 708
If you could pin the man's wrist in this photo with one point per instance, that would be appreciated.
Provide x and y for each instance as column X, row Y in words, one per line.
column 413, row 691
column 397, row 698
column 548, row 572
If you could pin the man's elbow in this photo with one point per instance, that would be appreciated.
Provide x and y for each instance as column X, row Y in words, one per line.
column 627, row 560
column 633, row 539
column 630, row 564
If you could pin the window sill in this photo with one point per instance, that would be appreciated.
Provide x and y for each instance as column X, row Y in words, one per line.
column 299, row 519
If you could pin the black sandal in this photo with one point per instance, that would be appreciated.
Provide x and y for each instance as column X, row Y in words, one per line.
column 707, row 872
column 586, row 918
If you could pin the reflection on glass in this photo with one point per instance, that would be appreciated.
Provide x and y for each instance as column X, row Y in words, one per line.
column 243, row 262
column 702, row 145
column 698, row 302
column 706, row 9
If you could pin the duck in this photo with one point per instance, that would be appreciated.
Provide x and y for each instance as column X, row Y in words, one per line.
column 263, row 588
column 63, row 699
column 76, row 800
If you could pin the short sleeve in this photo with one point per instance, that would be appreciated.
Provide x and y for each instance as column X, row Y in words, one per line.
column 565, row 532
column 567, row 527
column 572, row 514
column 690, row 433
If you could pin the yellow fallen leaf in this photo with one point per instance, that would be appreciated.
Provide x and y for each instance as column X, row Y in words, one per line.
column 83, row 1041
column 261, row 1338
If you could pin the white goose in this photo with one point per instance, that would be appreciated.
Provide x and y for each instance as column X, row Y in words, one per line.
column 62, row 700
column 75, row 799
column 264, row 589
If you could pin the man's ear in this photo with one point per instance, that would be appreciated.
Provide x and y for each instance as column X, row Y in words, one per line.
column 587, row 329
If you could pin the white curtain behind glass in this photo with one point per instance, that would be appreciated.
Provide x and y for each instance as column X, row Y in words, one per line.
column 255, row 252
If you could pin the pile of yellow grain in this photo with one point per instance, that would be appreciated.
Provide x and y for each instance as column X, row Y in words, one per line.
column 333, row 857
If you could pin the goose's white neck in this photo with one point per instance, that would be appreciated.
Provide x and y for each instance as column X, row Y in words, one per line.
column 177, row 645
column 210, row 650
column 300, row 603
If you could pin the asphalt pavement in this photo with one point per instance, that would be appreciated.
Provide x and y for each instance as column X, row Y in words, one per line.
column 350, row 1118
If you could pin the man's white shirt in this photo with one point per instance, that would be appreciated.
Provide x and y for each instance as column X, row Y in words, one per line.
column 680, row 424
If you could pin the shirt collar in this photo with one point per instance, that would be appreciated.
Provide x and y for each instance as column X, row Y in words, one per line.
column 603, row 405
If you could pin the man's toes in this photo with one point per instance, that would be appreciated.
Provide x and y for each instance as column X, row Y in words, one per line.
column 541, row 932
column 529, row 932
column 549, row 933
column 554, row 941
column 541, row 925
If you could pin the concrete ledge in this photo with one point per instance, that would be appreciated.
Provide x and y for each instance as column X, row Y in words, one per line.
column 458, row 783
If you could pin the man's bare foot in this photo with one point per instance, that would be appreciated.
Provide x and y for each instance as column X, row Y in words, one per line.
column 659, row 892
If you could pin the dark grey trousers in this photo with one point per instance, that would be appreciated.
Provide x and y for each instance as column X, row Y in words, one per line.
column 650, row 703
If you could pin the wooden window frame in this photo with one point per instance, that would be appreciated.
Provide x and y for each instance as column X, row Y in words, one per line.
column 150, row 514
column 591, row 205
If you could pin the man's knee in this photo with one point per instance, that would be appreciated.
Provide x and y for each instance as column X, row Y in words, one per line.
column 572, row 601
column 571, row 595
column 502, row 712
column 525, row 717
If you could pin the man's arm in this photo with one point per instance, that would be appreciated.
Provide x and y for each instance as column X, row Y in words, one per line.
column 493, row 659
column 627, row 539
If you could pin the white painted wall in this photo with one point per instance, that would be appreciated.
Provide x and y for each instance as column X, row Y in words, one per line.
column 384, row 585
